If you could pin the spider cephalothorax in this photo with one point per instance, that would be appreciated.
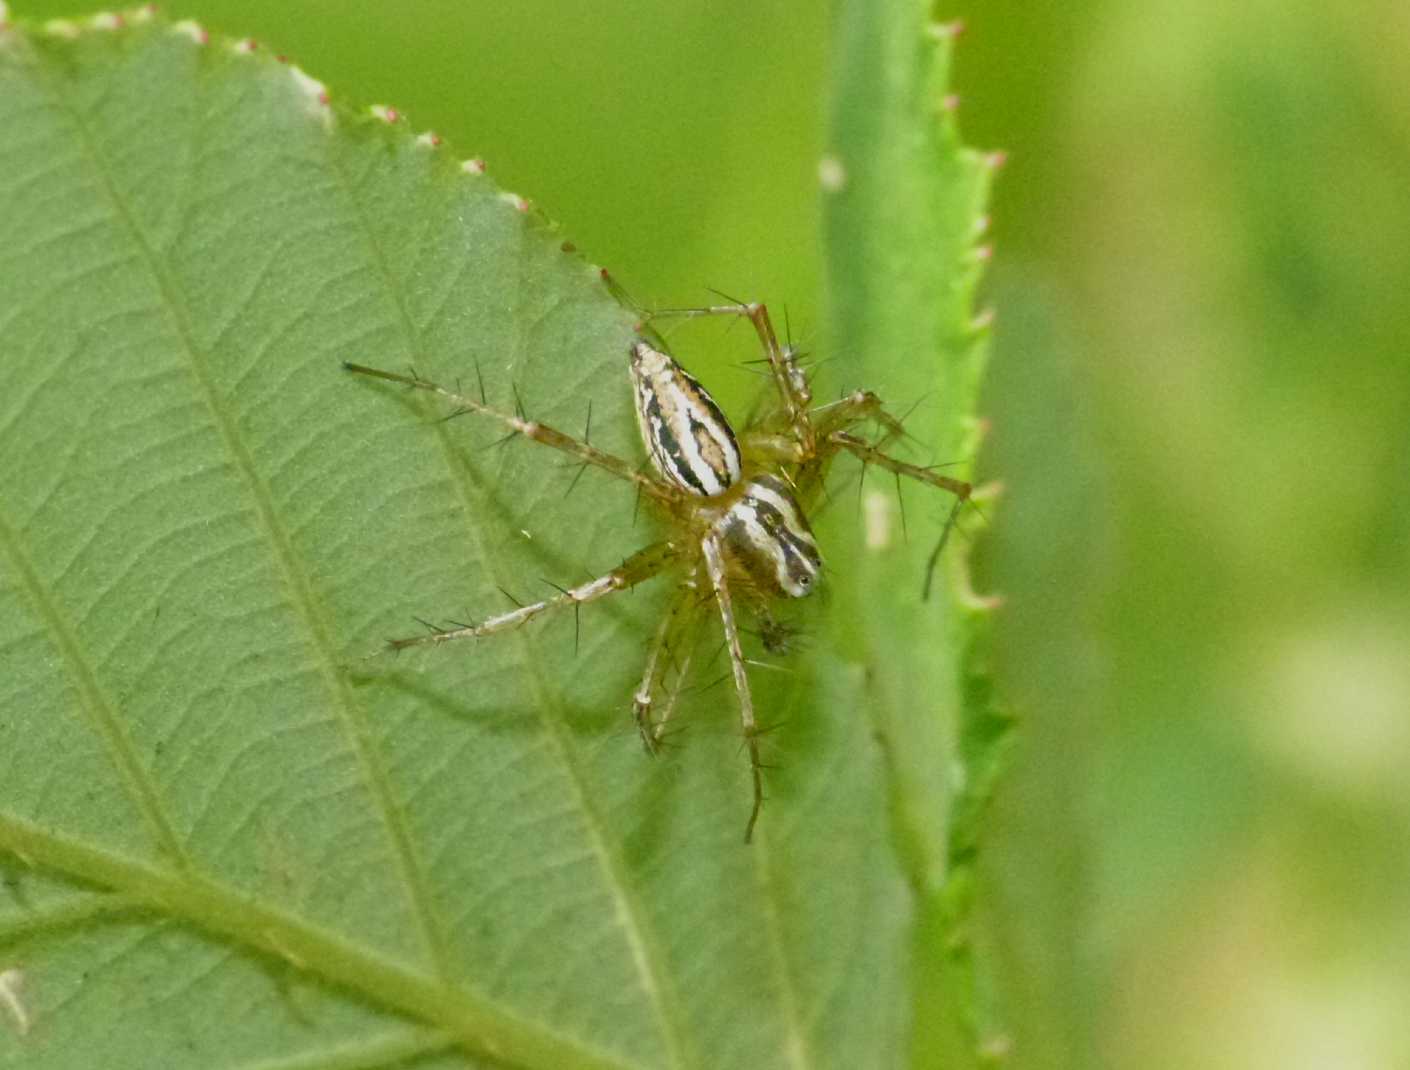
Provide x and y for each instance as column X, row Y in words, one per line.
column 736, row 505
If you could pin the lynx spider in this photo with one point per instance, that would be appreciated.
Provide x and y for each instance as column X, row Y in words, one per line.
column 735, row 503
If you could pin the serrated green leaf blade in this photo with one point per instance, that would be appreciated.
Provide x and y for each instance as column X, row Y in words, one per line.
column 903, row 220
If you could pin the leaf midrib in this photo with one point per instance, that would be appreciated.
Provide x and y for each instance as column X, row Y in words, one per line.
column 479, row 1025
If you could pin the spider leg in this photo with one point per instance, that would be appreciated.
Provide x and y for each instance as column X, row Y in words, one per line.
column 643, row 700
column 869, row 454
column 542, row 433
column 852, row 408
column 673, row 695
column 641, row 566
column 773, row 445
column 715, row 567
column 934, row 557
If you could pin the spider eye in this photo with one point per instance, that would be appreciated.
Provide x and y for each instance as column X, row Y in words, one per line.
column 804, row 575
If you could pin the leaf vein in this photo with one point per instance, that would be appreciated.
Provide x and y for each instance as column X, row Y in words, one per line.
column 100, row 712
column 477, row 1024
column 397, row 1047
column 646, row 955
column 284, row 556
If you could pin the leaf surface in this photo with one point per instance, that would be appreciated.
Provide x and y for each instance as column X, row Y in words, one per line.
column 234, row 835
column 904, row 222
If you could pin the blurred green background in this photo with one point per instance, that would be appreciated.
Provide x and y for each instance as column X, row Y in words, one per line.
column 1200, row 404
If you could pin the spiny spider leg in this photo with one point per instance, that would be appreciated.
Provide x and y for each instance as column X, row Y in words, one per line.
column 644, row 697
column 539, row 432
column 673, row 695
column 789, row 379
column 715, row 567
column 855, row 407
column 950, row 522
column 869, row 454
column 641, row 566
column 777, row 446
column 643, row 701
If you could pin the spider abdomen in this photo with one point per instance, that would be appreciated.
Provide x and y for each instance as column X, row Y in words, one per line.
column 766, row 537
column 686, row 435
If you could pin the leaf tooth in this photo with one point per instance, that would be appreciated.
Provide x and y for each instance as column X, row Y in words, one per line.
column 473, row 166
column 194, row 30
column 313, row 91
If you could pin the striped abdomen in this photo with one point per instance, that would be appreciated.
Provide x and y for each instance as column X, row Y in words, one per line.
column 689, row 440
column 766, row 536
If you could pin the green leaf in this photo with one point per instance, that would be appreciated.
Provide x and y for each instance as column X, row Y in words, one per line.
column 236, row 838
column 902, row 224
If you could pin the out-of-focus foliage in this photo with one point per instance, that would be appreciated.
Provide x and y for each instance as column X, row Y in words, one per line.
column 1201, row 410
column 1202, row 407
